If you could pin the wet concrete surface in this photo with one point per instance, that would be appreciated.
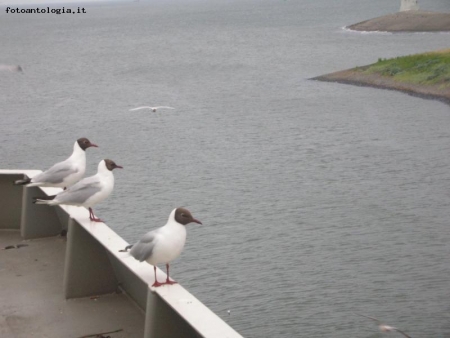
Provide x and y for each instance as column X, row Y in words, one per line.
column 32, row 299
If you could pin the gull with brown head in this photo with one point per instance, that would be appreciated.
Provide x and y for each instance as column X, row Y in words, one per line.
column 88, row 192
column 63, row 174
column 164, row 244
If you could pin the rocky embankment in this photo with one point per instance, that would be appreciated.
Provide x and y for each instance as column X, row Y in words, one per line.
column 357, row 77
column 409, row 21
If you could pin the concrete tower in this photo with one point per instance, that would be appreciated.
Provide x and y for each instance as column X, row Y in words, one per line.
column 409, row 5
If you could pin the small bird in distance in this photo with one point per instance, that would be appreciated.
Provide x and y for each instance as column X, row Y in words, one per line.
column 384, row 327
column 153, row 109
column 11, row 68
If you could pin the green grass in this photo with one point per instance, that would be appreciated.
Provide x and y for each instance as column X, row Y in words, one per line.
column 425, row 69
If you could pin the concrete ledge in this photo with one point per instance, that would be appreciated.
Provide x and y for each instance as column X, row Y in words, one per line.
column 93, row 266
column 10, row 198
column 32, row 296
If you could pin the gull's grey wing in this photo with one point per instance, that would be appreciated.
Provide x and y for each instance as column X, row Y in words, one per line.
column 376, row 320
column 79, row 192
column 138, row 108
column 143, row 249
column 55, row 174
column 403, row 333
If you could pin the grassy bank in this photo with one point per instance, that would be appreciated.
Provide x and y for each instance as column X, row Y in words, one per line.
column 424, row 75
column 422, row 69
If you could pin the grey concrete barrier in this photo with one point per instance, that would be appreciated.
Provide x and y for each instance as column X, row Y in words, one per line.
column 94, row 265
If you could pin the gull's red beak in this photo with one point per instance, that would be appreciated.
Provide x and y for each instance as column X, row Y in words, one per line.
column 119, row 166
column 196, row 221
column 94, row 145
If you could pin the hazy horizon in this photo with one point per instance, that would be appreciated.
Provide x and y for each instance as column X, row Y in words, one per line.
column 423, row 4
column 49, row 2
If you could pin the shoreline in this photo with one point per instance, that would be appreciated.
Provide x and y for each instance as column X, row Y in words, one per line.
column 347, row 29
column 405, row 22
column 383, row 75
column 357, row 78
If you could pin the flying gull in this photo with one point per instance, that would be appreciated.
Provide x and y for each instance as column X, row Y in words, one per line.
column 151, row 108
column 88, row 192
column 63, row 174
column 11, row 68
column 384, row 327
column 164, row 244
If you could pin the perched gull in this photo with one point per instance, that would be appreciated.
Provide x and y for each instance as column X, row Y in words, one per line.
column 384, row 327
column 88, row 192
column 164, row 244
column 152, row 108
column 63, row 174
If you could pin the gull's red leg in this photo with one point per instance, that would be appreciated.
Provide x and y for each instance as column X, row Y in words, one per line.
column 92, row 216
column 168, row 281
column 156, row 283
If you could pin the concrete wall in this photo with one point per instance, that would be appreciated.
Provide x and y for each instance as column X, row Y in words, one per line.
column 94, row 265
column 10, row 201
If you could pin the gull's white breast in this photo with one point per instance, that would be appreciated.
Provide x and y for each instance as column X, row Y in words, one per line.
column 169, row 243
column 107, row 186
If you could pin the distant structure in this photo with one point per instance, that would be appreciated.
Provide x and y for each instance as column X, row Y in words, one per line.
column 11, row 68
column 409, row 5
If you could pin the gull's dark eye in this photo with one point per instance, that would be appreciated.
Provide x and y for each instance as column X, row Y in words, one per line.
column 183, row 215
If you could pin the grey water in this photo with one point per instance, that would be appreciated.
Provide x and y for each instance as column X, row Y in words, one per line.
column 319, row 200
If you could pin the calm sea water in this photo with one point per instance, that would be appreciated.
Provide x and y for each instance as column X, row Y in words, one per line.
column 319, row 199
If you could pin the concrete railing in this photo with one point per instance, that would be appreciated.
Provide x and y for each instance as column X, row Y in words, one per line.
column 94, row 265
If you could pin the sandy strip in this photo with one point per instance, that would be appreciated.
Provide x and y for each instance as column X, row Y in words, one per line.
column 358, row 78
column 409, row 21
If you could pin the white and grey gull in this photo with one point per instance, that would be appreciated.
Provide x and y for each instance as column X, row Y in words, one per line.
column 63, row 174
column 88, row 192
column 164, row 244
column 153, row 109
column 384, row 327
